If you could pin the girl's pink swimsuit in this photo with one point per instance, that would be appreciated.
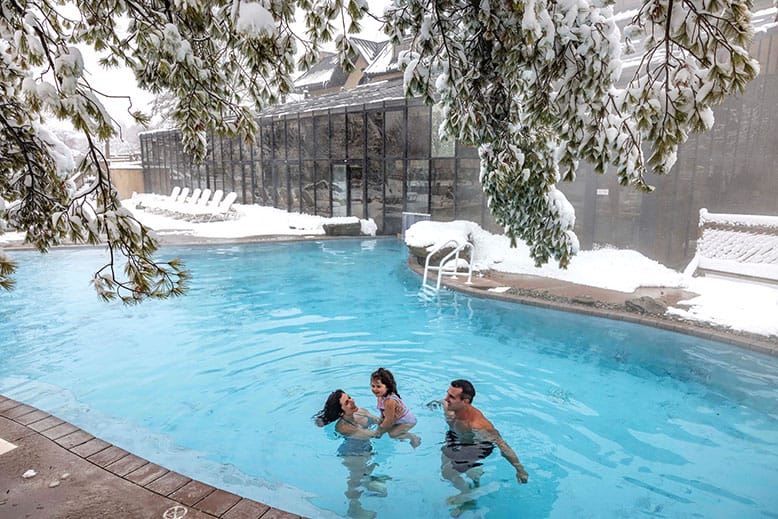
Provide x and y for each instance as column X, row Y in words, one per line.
column 405, row 417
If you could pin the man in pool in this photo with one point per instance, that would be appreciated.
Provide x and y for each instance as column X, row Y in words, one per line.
column 471, row 438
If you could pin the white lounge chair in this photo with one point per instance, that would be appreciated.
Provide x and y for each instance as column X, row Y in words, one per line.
column 196, row 213
column 220, row 212
column 171, row 203
column 181, row 206
column 193, row 204
column 154, row 203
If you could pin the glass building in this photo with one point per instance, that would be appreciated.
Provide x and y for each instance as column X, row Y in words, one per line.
column 370, row 152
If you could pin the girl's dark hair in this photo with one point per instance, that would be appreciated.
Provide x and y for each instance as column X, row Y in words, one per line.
column 332, row 410
column 385, row 376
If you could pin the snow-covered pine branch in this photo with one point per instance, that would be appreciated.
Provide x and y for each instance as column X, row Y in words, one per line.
column 218, row 62
column 534, row 85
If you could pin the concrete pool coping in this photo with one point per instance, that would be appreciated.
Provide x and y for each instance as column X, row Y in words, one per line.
column 600, row 302
column 104, row 480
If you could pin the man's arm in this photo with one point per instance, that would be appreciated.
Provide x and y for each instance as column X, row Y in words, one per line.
column 493, row 436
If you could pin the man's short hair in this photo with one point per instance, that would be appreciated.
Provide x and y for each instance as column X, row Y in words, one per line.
column 468, row 391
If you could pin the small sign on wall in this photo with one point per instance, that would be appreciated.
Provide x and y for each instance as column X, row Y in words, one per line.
column 602, row 192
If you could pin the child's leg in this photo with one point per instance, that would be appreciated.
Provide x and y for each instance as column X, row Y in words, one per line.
column 400, row 432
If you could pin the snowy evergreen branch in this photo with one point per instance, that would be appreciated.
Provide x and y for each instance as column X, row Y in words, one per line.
column 534, row 84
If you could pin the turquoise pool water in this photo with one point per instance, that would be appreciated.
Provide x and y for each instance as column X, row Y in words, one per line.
column 610, row 419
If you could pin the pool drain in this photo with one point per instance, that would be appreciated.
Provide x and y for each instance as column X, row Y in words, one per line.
column 175, row 512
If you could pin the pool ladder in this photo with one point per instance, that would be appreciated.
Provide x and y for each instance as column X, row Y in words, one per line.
column 443, row 268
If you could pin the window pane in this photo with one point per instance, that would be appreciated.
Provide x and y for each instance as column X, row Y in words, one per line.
column 339, row 190
column 306, row 137
column 395, row 134
column 419, row 132
column 292, row 139
column 321, row 130
column 338, row 136
column 282, row 185
column 469, row 195
column 309, row 188
column 323, row 188
column 375, row 193
column 356, row 191
column 393, row 201
column 440, row 148
column 356, row 135
column 375, row 134
column 279, row 142
column 442, row 199
column 417, row 191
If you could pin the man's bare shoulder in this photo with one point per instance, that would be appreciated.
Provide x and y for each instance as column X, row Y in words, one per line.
column 478, row 422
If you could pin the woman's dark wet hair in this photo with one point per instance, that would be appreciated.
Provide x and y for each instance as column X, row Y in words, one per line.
column 468, row 391
column 386, row 378
column 332, row 409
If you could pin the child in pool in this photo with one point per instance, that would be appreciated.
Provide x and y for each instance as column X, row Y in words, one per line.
column 396, row 418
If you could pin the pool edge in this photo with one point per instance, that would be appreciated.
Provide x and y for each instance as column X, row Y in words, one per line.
column 751, row 342
column 161, row 488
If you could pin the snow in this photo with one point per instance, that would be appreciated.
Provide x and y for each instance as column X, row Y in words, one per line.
column 738, row 305
column 255, row 21
column 735, row 304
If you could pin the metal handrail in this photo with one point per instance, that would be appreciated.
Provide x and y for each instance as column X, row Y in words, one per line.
column 441, row 265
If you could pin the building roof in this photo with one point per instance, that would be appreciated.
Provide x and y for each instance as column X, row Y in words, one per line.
column 327, row 72
column 362, row 94
column 385, row 61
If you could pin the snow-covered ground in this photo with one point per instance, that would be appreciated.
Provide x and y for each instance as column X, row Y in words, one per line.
column 738, row 305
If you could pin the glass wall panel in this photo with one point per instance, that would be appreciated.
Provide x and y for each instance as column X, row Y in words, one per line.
column 374, row 174
column 292, row 139
column 469, row 195
column 442, row 195
column 356, row 135
column 440, row 148
column 308, row 187
column 260, row 195
column 393, row 198
column 339, row 190
column 281, row 183
column 395, row 134
column 418, row 132
column 375, row 134
column 266, row 141
column 279, row 139
column 306, row 137
column 323, row 188
column 418, row 189
column 338, row 136
column 465, row 151
column 356, row 191
column 321, row 130
column 293, row 170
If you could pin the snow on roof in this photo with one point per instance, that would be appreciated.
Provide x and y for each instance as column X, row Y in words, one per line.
column 750, row 220
column 369, row 49
column 385, row 61
column 320, row 74
column 362, row 94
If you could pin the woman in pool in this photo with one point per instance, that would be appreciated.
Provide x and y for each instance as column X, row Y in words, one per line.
column 396, row 418
column 356, row 450
column 353, row 421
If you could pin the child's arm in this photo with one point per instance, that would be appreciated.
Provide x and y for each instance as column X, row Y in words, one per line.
column 390, row 416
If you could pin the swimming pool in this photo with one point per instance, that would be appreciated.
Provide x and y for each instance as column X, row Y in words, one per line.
column 609, row 418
